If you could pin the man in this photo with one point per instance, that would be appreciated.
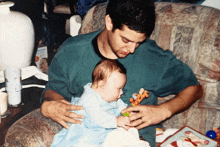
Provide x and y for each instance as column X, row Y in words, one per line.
column 128, row 25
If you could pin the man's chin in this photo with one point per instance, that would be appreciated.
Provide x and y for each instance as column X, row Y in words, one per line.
column 122, row 56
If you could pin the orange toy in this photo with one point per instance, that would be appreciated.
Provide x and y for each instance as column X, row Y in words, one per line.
column 137, row 98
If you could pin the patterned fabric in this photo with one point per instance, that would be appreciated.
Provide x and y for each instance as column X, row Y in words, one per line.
column 94, row 20
column 32, row 130
column 192, row 33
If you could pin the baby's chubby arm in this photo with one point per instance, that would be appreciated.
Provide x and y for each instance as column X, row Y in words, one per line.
column 123, row 121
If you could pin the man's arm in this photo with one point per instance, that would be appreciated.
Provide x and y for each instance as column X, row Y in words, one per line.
column 184, row 99
column 57, row 108
column 150, row 114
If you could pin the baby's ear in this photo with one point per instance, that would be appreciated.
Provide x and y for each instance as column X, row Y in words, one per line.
column 101, row 84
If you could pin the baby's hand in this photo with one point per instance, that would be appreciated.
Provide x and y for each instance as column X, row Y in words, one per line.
column 123, row 121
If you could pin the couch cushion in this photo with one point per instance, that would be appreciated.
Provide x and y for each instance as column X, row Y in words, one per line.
column 191, row 33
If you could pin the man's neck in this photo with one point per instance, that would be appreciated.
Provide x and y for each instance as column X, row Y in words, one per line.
column 104, row 47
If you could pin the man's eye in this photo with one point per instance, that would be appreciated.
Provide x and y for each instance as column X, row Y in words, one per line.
column 125, row 40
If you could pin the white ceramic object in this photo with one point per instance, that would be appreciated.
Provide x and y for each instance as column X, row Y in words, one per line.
column 16, row 38
column 75, row 24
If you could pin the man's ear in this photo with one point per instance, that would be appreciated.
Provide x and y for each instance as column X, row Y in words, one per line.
column 108, row 23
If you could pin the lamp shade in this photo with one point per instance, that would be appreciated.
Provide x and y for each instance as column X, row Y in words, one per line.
column 16, row 38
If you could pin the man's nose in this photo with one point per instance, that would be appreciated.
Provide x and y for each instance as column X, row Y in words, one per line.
column 132, row 47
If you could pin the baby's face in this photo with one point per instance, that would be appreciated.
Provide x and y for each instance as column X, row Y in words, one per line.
column 43, row 64
column 113, row 88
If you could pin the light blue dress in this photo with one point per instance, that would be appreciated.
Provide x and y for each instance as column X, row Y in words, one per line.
column 99, row 120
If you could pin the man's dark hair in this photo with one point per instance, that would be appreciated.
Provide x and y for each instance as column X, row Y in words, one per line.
column 138, row 15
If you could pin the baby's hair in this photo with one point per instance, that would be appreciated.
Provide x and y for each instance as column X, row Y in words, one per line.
column 44, row 58
column 104, row 68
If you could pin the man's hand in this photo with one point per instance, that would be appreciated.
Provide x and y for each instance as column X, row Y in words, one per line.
column 149, row 114
column 146, row 115
column 58, row 110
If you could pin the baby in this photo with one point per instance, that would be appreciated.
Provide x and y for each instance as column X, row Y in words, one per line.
column 102, row 108
column 44, row 65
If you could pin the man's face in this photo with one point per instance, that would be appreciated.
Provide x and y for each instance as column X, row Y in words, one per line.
column 124, row 41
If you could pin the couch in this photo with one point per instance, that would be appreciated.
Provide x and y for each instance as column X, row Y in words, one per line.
column 191, row 32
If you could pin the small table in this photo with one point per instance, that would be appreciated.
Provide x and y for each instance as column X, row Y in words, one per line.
column 16, row 113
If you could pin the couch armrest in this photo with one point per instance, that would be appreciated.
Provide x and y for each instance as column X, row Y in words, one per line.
column 94, row 19
column 32, row 129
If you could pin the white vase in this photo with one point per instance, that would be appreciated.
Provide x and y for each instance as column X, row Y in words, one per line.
column 16, row 38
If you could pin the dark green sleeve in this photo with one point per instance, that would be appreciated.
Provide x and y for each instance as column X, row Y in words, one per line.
column 175, row 77
column 57, row 80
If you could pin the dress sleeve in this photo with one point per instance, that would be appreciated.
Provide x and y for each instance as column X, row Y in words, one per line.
column 98, row 115
column 175, row 77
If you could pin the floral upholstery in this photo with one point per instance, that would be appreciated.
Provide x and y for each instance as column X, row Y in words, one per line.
column 192, row 33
